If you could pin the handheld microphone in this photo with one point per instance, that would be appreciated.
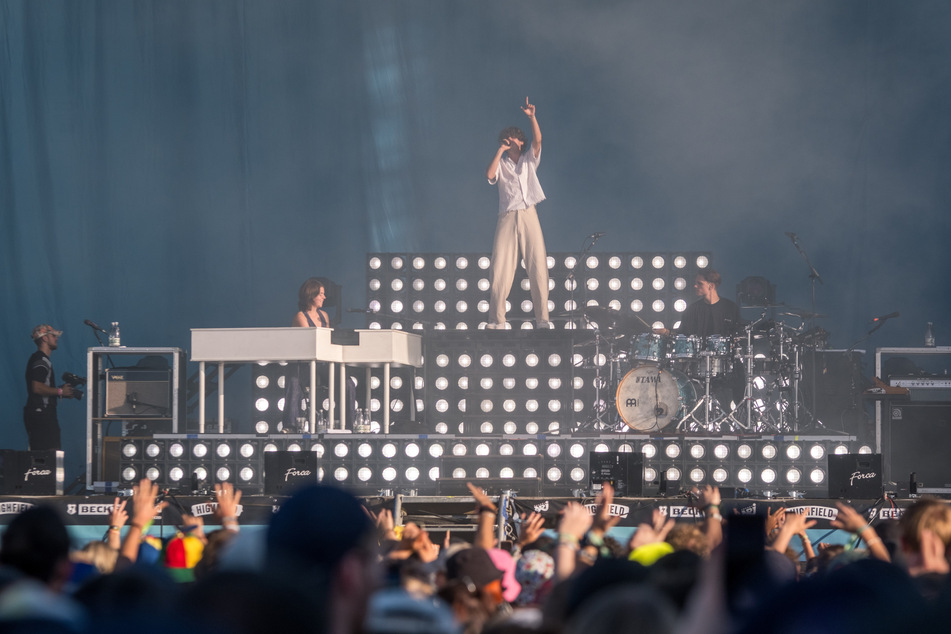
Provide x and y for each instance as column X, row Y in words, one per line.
column 95, row 327
column 888, row 316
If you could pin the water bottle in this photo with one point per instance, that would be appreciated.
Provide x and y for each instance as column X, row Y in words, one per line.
column 929, row 335
column 359, row 423
column 114, row 335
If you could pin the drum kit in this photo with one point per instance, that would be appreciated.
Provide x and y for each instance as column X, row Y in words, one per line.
column 742, row 383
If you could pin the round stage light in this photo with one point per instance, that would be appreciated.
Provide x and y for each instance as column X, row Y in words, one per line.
column 364, row 474
column 769, row 451
column 744, row 475
column 389, row 474
column 364, row 450
column 649, row 450
column 246, row 474
column 375, row 263
column 223, row 474
column 672, row 450
column 341, row 450
column 152, row 473
column 396, row 262
column 658, row 284
column 817, row 476
column 531, row 427
column 129, row 474
column 744, row 451
column 721, row 451
column 793, row 476
column 129, row 450
column 767, row 475
column 506, row 449
column 794, row 452
column 697, row 475
column 673, row 474
column 412, row 474
column 553, row 474
column 459, row 449
column 175, row 474
column 411, row 450
column 246, row 450
column 697, row 451
column 817, row 452
column 200, row 450
column 720, row 475
column 223, row 450
column 529, row 449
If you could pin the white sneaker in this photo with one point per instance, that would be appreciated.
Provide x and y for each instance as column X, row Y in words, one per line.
column 492, row 326
column 545, row 325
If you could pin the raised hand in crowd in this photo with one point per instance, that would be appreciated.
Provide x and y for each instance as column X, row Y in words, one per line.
column 226, row 511
column 708, row 501
column 117, row 519
column 603, row 521
column 532, row 527
column 848, row 519
column 793, row 524
column 651, row 533
column 144, row 508
column 575, row 521
column 486, row 510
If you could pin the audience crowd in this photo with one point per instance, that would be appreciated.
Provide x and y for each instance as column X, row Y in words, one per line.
column 328, row 565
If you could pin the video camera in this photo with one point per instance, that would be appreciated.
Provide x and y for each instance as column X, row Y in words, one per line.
column 74, row 382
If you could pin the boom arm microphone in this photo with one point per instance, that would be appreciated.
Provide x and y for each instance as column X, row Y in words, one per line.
column 95, row 327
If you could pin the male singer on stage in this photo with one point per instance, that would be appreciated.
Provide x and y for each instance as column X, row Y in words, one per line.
column 518, row 230
column 39, row 413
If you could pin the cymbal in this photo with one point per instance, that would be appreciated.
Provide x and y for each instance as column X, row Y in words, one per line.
column 602, row 314
column 801, row 313
column 613, row 319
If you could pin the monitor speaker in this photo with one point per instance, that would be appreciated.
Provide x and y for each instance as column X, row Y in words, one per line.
column 285, row 471
column 138, row 393
column 31, row 472
column 855, row 476
column 623, row 470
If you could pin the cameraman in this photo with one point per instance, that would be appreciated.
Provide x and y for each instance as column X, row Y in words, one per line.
column 39, row 413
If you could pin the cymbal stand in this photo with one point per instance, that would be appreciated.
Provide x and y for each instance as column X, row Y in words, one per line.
column 707, row 401
column 596, row 422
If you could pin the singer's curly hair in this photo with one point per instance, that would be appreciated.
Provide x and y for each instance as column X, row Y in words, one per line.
column 515, row 132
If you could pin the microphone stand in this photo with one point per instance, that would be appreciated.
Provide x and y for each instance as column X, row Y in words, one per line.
column 813, row 278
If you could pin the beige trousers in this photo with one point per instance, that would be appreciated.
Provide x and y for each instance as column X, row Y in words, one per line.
column 518, row 232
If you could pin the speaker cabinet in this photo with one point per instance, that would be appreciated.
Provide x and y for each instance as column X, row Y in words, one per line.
column 138, row 393
column 623, row 470
column 915, row 437
column 285, row 471
column 31, row 472
column 855, row 476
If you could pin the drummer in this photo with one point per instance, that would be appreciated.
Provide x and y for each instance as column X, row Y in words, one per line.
column 709, row 315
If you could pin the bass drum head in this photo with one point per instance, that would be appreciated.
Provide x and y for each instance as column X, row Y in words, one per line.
column 648, row 398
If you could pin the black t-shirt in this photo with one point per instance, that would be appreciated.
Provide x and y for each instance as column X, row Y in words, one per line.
column 40, row 368
column 703, row 319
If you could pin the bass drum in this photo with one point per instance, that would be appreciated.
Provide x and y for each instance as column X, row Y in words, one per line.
column 649, row 398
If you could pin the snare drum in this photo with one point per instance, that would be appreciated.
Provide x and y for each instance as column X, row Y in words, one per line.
column 649, row 347
column 649, row 398
column 719, row 350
